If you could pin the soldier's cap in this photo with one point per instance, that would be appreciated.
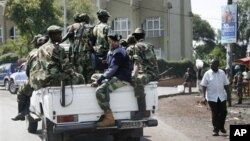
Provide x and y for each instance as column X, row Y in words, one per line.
column 123, row 42
column 103, row 12
column 139, row 31
column 115, row 37
column 54, row 29
column 36, row 37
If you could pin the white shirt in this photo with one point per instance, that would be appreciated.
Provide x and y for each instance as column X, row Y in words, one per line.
column 215, row 83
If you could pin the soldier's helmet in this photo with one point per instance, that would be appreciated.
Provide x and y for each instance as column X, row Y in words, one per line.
column 54, row 29
column 131, row 39
column 84, row 17
column 42, row 40
column 103, row 13
column 76, row 17
column 36, row 37
column 139, row 31
column 237, row 67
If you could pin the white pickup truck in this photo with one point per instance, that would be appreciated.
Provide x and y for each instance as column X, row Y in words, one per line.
column 77, row 112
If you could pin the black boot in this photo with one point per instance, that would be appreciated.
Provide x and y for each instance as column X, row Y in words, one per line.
column 142, row 108
column 21, row 114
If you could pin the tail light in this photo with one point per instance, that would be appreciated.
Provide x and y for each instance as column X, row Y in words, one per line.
column 67, row 118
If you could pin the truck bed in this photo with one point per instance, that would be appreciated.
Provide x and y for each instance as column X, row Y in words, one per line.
column 81, row 100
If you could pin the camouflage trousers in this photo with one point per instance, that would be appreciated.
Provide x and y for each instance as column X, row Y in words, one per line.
column 85, row 66
column 139, row 82
column 24, row 93
column 55, row 80
column 103, row 91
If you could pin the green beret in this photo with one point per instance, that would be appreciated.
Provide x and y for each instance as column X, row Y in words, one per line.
column 54, row 28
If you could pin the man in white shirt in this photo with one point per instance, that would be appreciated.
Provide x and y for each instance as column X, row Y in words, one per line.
column 213, row 83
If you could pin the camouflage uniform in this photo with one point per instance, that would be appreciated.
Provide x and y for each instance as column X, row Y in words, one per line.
column 145, row 69
column 53, row 66
column 238, row 83
column 81, row 48
column 25, row 91
column 100, row 33
column 148, row 69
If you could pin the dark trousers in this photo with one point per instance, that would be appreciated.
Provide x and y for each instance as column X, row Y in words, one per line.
column 219, row 113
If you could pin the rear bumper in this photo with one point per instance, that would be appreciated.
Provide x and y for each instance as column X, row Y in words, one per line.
column 121, row 124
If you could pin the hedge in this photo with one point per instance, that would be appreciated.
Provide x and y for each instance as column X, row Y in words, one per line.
column 8, row 58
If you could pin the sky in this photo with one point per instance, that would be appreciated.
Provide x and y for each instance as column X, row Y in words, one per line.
column 209, row 10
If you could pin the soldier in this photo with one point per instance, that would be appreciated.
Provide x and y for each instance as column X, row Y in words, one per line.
column 238, row 83
column 25, row 92
column 81, row 51
column 53, row 67
column 118, row 75
column 131, row 41
column 101, row 45
column 145, row 69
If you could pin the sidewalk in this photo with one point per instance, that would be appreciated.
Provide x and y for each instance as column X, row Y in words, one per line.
column 172, row 91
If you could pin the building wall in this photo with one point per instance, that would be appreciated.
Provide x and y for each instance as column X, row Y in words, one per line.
column 175, row 41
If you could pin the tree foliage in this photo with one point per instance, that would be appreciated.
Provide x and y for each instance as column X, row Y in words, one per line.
column 202, row 31
column 31, row 16
column 74, row 7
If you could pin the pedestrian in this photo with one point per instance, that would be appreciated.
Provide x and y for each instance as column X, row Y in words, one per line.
column 145, row 69
column 101, row 44
column 199, row 74
column 117, row 75
column 188, row 81
column 214, row 82
column 25, row 92
column 238, row 83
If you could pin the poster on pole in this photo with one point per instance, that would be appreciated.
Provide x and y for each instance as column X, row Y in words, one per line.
column 229, row 24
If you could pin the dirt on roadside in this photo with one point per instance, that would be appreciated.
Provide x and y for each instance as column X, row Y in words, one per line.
column 186, row 114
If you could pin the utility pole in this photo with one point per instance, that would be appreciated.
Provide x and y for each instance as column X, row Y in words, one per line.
column 65, row 17
column 229, row 61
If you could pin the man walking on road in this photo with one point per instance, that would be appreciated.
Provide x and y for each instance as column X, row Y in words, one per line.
column 213, row 84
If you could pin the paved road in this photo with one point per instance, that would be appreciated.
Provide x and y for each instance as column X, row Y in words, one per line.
column 16, row 131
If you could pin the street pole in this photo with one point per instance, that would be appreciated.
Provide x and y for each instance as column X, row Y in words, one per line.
column 229, row 63
column 65, row 17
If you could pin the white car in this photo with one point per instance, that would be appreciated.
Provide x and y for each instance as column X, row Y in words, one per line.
column 17, row 79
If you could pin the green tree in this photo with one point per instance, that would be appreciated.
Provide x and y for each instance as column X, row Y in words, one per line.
column 31, row 16
column 76, row 6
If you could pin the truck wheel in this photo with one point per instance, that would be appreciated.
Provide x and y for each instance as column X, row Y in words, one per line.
column 12, row 87
column 47, row 131
column 6, row 84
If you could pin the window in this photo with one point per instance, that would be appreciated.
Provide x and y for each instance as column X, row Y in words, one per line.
column 153, row 27
column 1, row 34
column 13, row 33
column 121, row 26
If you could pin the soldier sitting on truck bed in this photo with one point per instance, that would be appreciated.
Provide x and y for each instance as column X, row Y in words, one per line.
column 25, row 92
column 52, row 66
column 145, row 69
column 118, row 75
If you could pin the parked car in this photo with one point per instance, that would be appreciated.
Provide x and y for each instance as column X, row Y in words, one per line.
column 5, row 71
column 17, row 79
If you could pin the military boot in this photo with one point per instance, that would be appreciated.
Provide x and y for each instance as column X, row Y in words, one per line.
column 21, row 113
column 142, row 108
column 107, row 121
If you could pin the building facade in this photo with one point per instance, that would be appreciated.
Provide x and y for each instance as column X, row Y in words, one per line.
column 7, row 28
column 167, row 23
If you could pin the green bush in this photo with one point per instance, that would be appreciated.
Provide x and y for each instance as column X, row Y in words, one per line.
column 8, row 58
column 178, row 68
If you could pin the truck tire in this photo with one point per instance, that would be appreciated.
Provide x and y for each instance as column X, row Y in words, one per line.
column 12, row 88
column 47, row 131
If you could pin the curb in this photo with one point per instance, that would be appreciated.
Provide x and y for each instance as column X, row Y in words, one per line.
column 175, row 94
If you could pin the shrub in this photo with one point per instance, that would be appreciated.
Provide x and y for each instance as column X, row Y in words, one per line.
column 8, row 58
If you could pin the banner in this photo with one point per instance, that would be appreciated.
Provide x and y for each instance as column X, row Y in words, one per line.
column 229, row 24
